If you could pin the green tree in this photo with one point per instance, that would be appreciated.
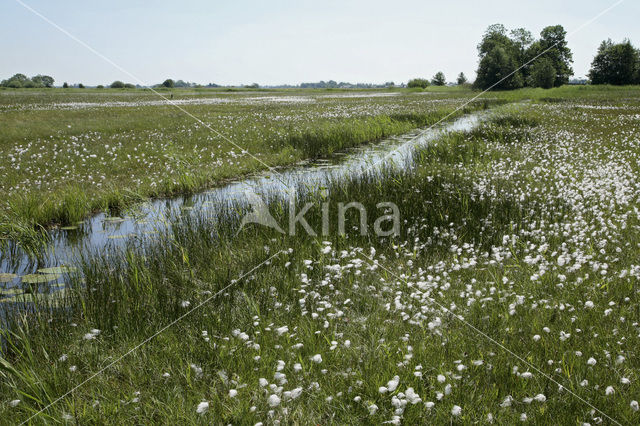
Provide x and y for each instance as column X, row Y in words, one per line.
column 554, row 45
column 498, row 66
column 80, row 86
column 439, row 79
column 462, row 79
column 522, row 40
column 498, row 70
column 496, row 36
column 543, row 74
column 117, row 85
column 43, row 80
column 65, row 85
column 615, row 64
column 169, row 83
column 418, row 82
column 16, row 81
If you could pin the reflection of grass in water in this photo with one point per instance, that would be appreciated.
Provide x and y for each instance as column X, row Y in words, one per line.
column 7, row 277
column 39, row 278
column 54, row 298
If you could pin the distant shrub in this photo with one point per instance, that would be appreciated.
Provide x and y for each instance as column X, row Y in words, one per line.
column 418, row 82
column 117, row 85
column 99, row 86
column 42, row 80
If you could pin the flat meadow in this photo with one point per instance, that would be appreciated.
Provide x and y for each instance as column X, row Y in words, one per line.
column 510, row 293
column 68, row 153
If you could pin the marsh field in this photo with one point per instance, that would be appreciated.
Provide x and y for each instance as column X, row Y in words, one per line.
column 508, row 294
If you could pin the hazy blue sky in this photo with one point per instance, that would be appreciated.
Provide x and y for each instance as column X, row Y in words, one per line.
column 273, row 42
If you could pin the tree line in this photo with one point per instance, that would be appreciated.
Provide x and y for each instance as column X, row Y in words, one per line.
column 507, row 60
column 515, row 59
column 438, row 79
column 20, row 80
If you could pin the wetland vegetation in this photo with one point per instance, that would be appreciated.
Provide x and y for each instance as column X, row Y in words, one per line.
column 510, row 293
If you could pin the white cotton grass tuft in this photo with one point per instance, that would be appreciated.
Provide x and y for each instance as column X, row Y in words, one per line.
column 196, row 370
column 507, row 402
column 456, row 410
column 412, row 397
column 203, row 407
column 92, row 334
column 392, row 384
column 292, row 394
column 273, row 400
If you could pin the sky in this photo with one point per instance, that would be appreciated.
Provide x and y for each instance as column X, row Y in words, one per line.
column 284, row 42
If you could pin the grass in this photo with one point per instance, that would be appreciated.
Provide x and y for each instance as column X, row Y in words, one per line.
column 509, row 227
column 66, row 155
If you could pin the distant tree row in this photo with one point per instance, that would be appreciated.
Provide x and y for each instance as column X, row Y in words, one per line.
column 21, row 80
column 437, row 80
column 331, row 84
column 511, row 60
column 616, row 64
column 418, row 82
column 121, row 85
column 170, row 83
